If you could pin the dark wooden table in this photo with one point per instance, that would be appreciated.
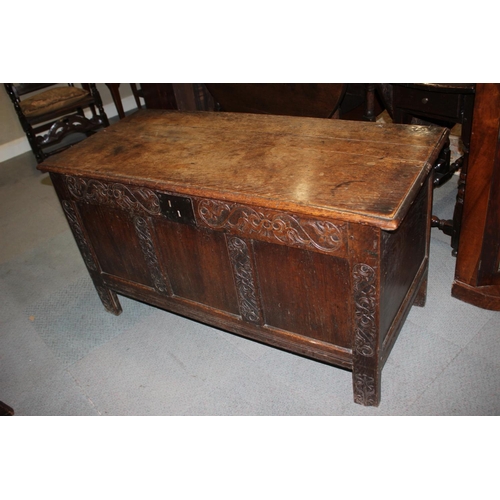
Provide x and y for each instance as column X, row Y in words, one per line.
column 306, row 234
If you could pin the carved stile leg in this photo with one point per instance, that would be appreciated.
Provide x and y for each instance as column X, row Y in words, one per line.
column 143, row 230
column 79, row 234
column 241, row 261
column 109, row 299
column 366, row 386
column 366, row 372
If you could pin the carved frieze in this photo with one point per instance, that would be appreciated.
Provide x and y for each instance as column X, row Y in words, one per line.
column 272, row 226
column 364, row 293
column 143, row 232
column 135, row 199
column 244, row 279
column 80, row 239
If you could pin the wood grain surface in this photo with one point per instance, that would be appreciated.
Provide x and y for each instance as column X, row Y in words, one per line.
column 354, row 171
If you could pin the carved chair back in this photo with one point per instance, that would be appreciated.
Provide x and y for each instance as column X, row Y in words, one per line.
column 50, row 114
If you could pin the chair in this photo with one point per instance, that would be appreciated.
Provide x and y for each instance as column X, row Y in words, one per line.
column 49, row 114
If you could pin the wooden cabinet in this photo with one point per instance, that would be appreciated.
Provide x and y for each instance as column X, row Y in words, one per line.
column 477, row 275
column 306, row 234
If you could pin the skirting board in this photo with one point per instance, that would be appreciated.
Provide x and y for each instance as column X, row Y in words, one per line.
column 19, row 146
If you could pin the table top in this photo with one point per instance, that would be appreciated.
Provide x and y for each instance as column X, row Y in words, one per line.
column 353, row 171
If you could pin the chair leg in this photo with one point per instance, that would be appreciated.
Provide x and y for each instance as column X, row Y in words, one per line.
column 370, row 103
column 135, row 93
column 97, row 97
column 33, row 142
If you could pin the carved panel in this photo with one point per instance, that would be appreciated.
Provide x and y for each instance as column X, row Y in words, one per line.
column 135, row 199
column 272, row 226
column 80, row 239
column 364, row 293
column 142, row 229
column 243, row 275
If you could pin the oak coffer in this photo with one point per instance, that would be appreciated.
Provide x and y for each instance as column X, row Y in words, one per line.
column 310, row 235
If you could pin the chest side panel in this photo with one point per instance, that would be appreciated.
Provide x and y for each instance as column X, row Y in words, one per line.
column 403, row 252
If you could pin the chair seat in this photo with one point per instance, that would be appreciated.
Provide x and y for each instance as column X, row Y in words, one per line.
column 52, row 100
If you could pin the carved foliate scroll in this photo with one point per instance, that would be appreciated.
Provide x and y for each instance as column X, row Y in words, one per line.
column 244, row 279
column 80, row 239
column 143, row 232
column 364, row 293
column 271, row 226
column 135, row 199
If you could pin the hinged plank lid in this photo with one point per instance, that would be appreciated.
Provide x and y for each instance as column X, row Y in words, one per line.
column 353, row 171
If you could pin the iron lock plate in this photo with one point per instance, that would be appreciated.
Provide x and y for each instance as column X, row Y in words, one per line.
column 177, row 208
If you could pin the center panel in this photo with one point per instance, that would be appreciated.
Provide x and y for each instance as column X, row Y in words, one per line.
column 304, row 292
column 197, row 264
